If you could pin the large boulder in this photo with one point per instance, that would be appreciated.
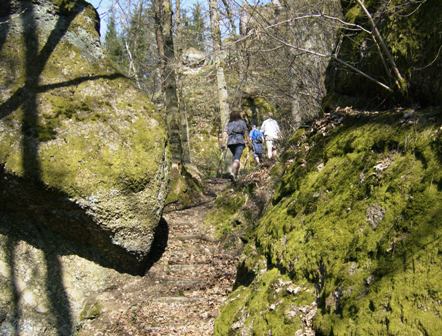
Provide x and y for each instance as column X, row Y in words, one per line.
column 82, row 152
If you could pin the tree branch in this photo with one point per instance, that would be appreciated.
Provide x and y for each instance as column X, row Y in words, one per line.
column 400, row 81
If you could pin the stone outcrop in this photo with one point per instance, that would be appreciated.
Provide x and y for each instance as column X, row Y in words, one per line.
column 82, row 152
column 411, row 32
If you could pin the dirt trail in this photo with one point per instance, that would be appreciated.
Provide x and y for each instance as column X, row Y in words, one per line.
column 182, row 292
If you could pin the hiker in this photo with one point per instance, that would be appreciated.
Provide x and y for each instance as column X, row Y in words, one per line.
column 236, row 132
column 257, row 138
column 271, row 131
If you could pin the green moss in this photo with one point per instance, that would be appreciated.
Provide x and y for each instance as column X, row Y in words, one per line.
column 353, row 14
column 256, row 109
column 67, row 6
column 205, row 153
column 184, row 190
column 226, row 215
column 266, row 306
column 76, row 109
column 372, row 277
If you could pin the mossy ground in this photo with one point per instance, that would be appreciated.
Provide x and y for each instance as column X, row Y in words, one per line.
column 226, row 214
column 371, row 276
column 267, row 306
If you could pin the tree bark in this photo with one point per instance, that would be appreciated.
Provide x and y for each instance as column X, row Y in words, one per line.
column 221, row 81
column 184, row 123
column 166, row 54
column 229, row 16
column 243, row 52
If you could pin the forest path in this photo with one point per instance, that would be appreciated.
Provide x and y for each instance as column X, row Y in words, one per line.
column 182, row 292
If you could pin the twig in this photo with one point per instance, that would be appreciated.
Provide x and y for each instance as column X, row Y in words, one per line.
column 12, row 16
column 431, row 63
column 400, row 81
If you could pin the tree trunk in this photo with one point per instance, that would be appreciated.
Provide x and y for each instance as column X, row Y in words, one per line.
column 166, row 53
column 230, row 16
column 221, row 81
column 184, row 124
column 243, row 52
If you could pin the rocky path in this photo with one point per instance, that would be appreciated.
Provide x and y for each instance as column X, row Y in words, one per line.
column 182, row 291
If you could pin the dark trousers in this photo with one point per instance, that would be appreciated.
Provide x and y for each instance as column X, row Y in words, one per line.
column 236, row 150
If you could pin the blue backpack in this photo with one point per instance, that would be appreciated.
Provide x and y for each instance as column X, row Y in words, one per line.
column 256, row 136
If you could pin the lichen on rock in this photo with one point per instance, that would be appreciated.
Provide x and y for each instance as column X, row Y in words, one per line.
column 75, row 132
column 84, row 167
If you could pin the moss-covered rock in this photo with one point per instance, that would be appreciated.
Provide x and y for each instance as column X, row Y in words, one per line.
column 185, row 189
column 81, row 150
column 227, row 214
column 272, row 304
column 200, row 102
column 83, row 169
column 358, row 217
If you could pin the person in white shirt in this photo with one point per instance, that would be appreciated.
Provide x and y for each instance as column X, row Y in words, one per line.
column 271, row 131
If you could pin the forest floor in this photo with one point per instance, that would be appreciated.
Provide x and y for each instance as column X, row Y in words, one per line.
column 182, row 291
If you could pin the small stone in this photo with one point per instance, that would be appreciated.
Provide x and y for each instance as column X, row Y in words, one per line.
column 382, row 165
column 369, row 280
column 294, row 290
column 29, row 297
column 292, row 313
column 409, row 113
column 42, row 309
column 375, row 214
column 236, row 325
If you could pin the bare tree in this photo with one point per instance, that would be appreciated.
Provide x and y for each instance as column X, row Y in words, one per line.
column 219, row 57
column 166, row 53
column 184, row 123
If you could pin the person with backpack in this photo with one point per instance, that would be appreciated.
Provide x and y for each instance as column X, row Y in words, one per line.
column 257, row 139
column 271, row 131
column 236, row 132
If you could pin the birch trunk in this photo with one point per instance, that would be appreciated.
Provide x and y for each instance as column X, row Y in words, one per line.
column 221, row 81
column 244, row 55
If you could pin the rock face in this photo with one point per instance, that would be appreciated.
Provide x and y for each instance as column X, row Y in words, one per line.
column 355, row 223
column 81, row 151
column 83, row 169
column 414, row 39
column 198, row 86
